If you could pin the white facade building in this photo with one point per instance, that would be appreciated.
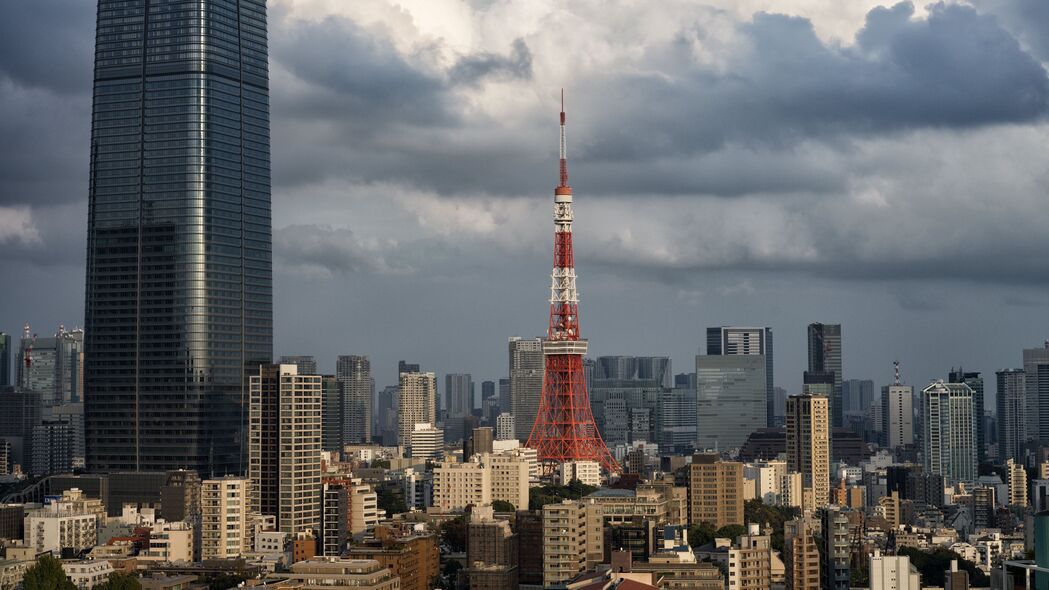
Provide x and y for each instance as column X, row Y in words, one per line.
column 588, row 472
column 87, row 574
column 950, row 433
column 893, row 572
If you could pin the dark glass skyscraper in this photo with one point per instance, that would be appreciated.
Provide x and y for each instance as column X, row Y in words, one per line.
column 179, row 303
column 825, row 356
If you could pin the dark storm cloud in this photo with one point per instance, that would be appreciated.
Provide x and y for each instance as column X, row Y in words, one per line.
column 475, row 68
column 48, row 44
column 955, row 69
column 657, row 127
column 357, row 73
column 1029, row 19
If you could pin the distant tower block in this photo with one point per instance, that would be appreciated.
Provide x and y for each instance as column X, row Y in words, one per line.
column 564, row 428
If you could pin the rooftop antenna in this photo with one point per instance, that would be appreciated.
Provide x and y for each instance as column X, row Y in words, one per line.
column 896, row 367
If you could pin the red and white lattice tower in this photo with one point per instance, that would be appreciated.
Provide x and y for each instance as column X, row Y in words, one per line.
column 564, row 428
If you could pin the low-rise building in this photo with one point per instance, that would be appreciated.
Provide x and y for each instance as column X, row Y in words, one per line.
column 170, row 541
column 588, row 472
column 327, row 573
column 85, row 575
column 62, row 525
column 413, row 558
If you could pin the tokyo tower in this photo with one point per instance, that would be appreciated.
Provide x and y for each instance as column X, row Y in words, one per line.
column 564, row 428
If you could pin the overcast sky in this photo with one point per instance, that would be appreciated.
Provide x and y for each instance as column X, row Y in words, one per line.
column 758, row 162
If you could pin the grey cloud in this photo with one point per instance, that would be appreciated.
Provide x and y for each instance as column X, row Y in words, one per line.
column 48, row 44
column 339, row 251
column 1029, row 19
column 475, row 68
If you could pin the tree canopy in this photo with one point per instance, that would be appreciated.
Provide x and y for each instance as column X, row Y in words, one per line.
column 120, row 581
column 932, row 565
column 47, row 574
column 552, row 493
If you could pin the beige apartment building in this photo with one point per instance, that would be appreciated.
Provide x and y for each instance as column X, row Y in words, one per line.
column 801, row 558
column 573, row 540
column 715, row 491
column 226, row 523
column 284, row 447
column 482, row 480
column 418, row 404
column 750, row 561
column 808, row 445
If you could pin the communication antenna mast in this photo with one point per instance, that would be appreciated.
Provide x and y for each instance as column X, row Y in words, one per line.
column 896, row 367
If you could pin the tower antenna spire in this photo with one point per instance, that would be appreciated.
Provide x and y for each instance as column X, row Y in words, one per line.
column 564, row 146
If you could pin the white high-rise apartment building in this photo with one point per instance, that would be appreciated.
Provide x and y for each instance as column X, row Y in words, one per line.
column 897, row 410
column 510, row 472
column 458, row 485
column 226, row 523
column 950, row 431
column 418, row 404
column 527, row 367
column 284, row 446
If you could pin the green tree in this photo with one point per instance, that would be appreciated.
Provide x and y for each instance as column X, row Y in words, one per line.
column 933, row 564
column 773, row 517
column 380, row 464
column 732, row 531
column 225, row 581
column 453, row 534
column 390, row 501
column 47, row 574
column 701, row 534
column 120, row 581
column 502, row 506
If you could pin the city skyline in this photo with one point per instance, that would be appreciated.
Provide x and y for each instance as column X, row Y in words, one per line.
column 334, row 243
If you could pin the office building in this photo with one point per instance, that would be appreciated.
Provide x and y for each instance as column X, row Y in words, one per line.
column 676, row 416
column 834, row 558
column 336, row 516
column 458, row 397
column 306, row 365
column 180, row 496
column 418, row 404
column 504, row 395
column 5, row 359
column 573, row 540
column 897, row 415
column 505, row 427
column 427, row 442
column 818, row 383
column 53, row 442
column 22, row 413
column 734, row 340
column 53, row 367
column 730, row 399
column 482, row 440
column 975, row 382
column 358, row 390
column 857, row 396
column 1036, row 377
column 893, row 572
column 1011, row 405
column 488, row 391
column 491, row 552
column 715, row 491
column 801, row 557
column 226, row 520
column 825, row 356
column 179, row 285
column 285, row 447
column 808, row 445
column 527, row 366
column 949, row 441
column 331, row 414
column 333, row 573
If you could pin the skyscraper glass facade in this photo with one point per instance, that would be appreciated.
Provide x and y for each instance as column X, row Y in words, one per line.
column 179, row 303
